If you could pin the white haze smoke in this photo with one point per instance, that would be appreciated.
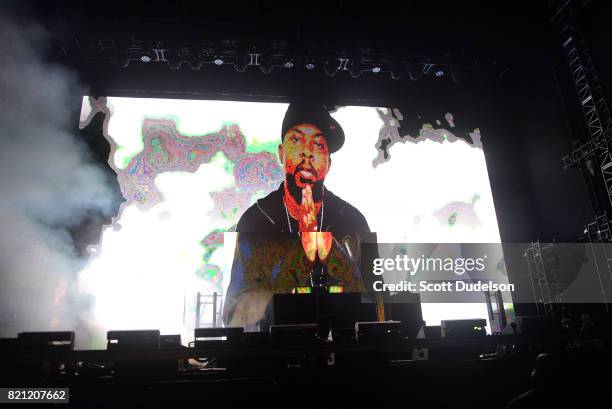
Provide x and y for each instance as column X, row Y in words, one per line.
column 46, row 186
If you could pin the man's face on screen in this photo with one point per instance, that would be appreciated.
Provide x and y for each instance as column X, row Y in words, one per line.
column 305, row 155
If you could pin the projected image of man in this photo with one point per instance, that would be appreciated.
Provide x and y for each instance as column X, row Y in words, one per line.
column 327, row 229
column 302, row 203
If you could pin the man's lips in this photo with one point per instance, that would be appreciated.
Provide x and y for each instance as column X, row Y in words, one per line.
column 306, row 173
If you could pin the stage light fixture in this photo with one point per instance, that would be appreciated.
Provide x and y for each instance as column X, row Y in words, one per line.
column 195, row 65
column 123, row 60
column 218, row 60
column 397, row 71
column 266, row 65
column 439, row 72
column 288, row 63
column 376, row 69
column 355, row 69
column 174, row 61
column 242, row 63
column 175, row 65
column 145, row 58
column 414, row 72
column 330, row 68
column 310, row 65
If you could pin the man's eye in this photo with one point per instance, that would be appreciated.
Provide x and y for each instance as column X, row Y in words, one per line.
column 319, row 145
column 295, row 139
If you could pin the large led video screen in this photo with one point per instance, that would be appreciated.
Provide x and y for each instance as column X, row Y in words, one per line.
column 189, row 169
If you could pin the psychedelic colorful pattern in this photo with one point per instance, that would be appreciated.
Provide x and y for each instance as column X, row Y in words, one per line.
column 166, row 150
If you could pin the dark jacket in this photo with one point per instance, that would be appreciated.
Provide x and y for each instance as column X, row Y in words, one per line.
column 269, row 260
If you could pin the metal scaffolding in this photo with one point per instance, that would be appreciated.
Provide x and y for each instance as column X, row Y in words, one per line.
column 599, row 232
column 545, row 290
column 215, row 301
column 599, row 125
column 591, row 97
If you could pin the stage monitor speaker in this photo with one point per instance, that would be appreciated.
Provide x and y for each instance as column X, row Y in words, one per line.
column 343, row 310
column 406, row 308
column 132, row 340
column 256, row 338
column 335, row 310
column 343, row 335
column 206, row 337
column 46, row 341
column 463, row 328
column 170, row 341
column 290, row 309
column 294, row 333
column 376, row 331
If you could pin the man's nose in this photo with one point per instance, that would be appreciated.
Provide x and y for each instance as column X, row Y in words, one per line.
column 307, row 153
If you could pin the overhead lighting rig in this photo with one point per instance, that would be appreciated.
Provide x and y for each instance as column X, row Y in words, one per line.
column 265, row 57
